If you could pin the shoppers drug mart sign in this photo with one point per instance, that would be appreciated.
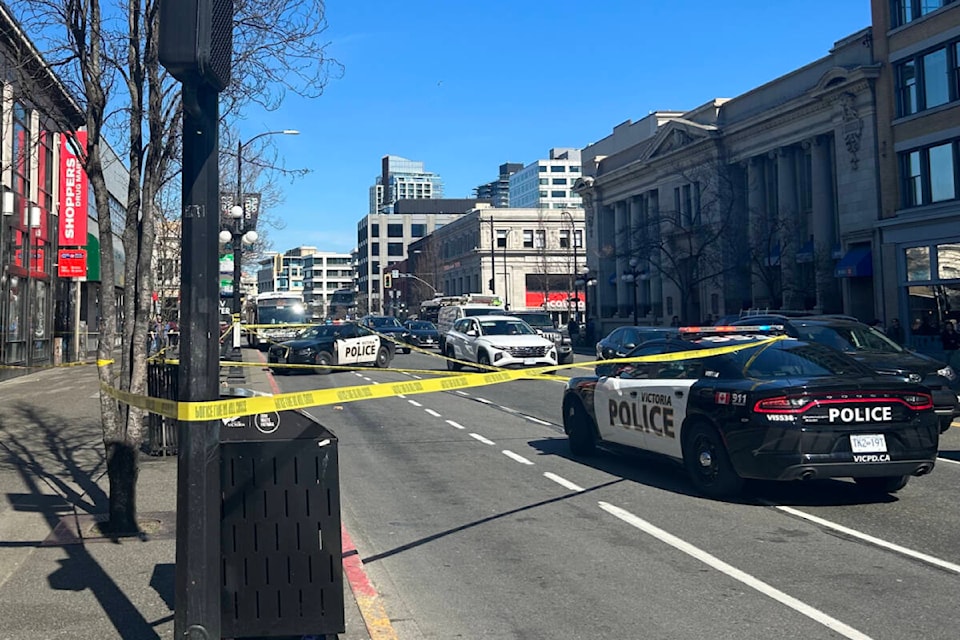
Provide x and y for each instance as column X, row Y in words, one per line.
column 73, row 191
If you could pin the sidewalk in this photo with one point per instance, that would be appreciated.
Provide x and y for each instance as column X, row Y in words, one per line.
column 59, row 578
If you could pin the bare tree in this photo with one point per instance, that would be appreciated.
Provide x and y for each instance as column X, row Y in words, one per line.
column 107, row 56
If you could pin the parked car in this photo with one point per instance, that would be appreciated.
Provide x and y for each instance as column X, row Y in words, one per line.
column 421, row 333
column 448, row 316
column 389, row 327
column 543, row 324
column 622, row 340
column 874, row 349
column 739, row 406
column 503, row 341
column 323, row 345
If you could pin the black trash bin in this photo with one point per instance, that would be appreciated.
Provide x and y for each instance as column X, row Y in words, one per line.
column 280, row 542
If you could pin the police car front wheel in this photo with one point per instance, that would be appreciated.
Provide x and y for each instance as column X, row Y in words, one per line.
column 707, row 462
column 323, row 360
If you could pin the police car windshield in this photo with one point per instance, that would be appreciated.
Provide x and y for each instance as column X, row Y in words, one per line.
column 318, row 331
column 505, row 328
column 793, row 359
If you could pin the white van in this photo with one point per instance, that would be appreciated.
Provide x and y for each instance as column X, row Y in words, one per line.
column 447, row 316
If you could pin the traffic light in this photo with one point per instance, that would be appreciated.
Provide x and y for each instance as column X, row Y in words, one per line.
column 196, row 40
column 387, row 281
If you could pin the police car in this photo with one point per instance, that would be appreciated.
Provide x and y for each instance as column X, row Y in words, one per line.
column 732, row 403
column 324, row 345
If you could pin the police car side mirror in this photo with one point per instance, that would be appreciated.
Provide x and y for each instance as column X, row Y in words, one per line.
column 336, row 334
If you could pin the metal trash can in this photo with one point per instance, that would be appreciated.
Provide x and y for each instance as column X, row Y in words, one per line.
column 162, row 381
column 280, row 543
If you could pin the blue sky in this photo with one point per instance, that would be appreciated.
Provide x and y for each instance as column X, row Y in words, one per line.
column 465, row 86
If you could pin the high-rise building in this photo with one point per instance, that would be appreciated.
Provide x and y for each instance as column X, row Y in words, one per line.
column 402, row 179
column 317, row 274
column 547, row 184
column 498, row 191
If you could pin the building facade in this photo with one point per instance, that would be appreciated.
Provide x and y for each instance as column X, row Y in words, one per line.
column 530, row 258
column 918, row 106
column 402, row 179
column 769, row 199
column 325, row 272
column 548, row 184
column 498, row 191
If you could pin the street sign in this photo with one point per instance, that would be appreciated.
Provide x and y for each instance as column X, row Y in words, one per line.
column 72, row 263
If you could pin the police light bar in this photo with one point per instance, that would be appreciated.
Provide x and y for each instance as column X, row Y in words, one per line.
column 754, row 328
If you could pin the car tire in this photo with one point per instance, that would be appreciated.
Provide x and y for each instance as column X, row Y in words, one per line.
column 945, row 423
column 323, row 358
column 567, row 360
column 383, row 358
column 406, row 350
column 277, row 372
column 451, row 365
column 708, row 463
column 483, row 360
column 882, row 484
column 581, row 436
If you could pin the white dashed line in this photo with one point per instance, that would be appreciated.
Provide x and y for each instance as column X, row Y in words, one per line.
column 509, row 410
column 477, row 436
column 455, row 425
column 563, row 482
column 400, row 395
column 463, row 393
column 948, row 460
column 432, row 412
column 374, row 382
column 417, row 377
column 741, row 576
column 415, row 403
column 516, row 456
column 366, row 378
column 538, row 421
column 483, row 400
column 916, row 555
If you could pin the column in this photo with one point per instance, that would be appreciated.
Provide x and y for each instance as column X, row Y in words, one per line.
column 756, row 210
column 621, row 247
column 639, row 247
column 789, row 227
column 822, row 218
column 605, row 299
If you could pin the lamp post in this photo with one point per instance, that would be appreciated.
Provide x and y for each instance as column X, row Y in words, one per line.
column 240, row 234
column 586, row 281
column 633, row 276
column 506, row 280
column 573, row 243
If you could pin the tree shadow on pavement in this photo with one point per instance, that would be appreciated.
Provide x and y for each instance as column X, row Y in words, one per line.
column 59, row 454
column 660, row 472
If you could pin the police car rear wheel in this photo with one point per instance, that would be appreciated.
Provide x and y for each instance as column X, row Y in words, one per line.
column 580, row 434
column 886, row 484
column 321, row 359
column 383, row 358
column 708, row 464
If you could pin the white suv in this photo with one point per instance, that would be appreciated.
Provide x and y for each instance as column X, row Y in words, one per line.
column 503, row 341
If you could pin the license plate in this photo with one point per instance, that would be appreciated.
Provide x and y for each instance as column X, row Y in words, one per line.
column 530, row 361
column 868, row 443
column 429, row 340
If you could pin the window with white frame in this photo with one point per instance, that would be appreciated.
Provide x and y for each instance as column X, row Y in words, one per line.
column 540, row 239
column 528, row 238
column 564, row 238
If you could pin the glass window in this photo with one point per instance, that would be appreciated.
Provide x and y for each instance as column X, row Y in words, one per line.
column 574, row 169
column 418, row 230
column 942, row 175
column 394, row 248
column 543, row 194
column 918, row 263
column 558, row 194
column 907, row 88
column 564, row 238
column 540, row 239
column 936, row 83
column 578, row 238
column 395, row 230
column 375, row 230
column 948, row 261
column 913, row 194
column 557, row 168
column 544, row 180
column 542, row 168
column 559, row 181
column 501, row 238
column 528, row 238
column 375, row 248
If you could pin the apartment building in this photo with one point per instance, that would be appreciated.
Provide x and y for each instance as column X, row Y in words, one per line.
column 498, row 191
column 548, row 184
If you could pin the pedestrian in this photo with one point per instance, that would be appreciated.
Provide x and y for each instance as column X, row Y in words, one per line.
column 950, row 340
column 895, row 331
column 675, row 321
column 573, row 329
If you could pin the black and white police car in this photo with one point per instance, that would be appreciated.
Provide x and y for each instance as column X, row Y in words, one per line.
column 323, row 345
column 732, row 403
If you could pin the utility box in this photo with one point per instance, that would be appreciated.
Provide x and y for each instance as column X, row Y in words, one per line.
column 280, row 544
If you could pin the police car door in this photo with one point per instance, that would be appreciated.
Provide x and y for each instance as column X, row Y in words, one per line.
column 345, row 344
column 367, row 344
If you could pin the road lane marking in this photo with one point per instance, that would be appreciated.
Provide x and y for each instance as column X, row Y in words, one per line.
column 509, row 410
column 516, row 456
column 948, row 460
column 538, row 421
column 400, row 395
column 563, row 482
column 477, row 436
column 483, row 400
column 366, row 378
column 432, row 412
column 738, row 575
column 463, row 393
column 417, row 377
column 415, row 403
column 455, row 425
column 910, row 553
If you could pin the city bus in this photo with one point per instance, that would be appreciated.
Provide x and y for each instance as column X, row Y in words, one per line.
column 343, row 305
column 285, row 309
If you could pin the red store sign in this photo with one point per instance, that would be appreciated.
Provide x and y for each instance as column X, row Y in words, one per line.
column 73, row 192
column 72, row 263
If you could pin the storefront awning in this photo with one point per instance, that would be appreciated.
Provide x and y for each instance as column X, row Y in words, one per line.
column 855, row 263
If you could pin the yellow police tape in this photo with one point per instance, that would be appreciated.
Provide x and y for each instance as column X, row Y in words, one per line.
column 233, row 408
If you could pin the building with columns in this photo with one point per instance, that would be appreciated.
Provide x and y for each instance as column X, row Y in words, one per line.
column 767, row 200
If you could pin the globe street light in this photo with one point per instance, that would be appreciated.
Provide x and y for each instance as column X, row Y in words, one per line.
column 573, row 243
column 633, row 276
column 586, row 281
column 240, row 233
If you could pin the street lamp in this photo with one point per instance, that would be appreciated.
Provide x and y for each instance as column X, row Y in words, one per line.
column 586, row 281
column 633, row 277
column 240, row 234
column 573, row 243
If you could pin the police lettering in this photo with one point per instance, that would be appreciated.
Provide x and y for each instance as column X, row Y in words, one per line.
column 358, row 350
column 649, row 418
column 861, row 414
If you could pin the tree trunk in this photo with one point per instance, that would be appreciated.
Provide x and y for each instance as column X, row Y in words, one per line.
column 123, row 470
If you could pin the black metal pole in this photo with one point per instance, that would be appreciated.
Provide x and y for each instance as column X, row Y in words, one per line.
column 634, row 300
column 493, row 261
column 197, row 581
column 238, row 234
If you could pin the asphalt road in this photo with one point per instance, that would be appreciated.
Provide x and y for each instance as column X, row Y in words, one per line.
column 474, row 522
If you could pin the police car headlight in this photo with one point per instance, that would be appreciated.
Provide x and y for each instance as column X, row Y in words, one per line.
column 948, row 373
column 305, row 351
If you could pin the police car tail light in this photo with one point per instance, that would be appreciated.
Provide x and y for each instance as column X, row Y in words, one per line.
column 918, row 401
column 782, row 404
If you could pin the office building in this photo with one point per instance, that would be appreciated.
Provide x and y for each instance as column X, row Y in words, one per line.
column 402, row 179
column 548, row 184
column 498, row 191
